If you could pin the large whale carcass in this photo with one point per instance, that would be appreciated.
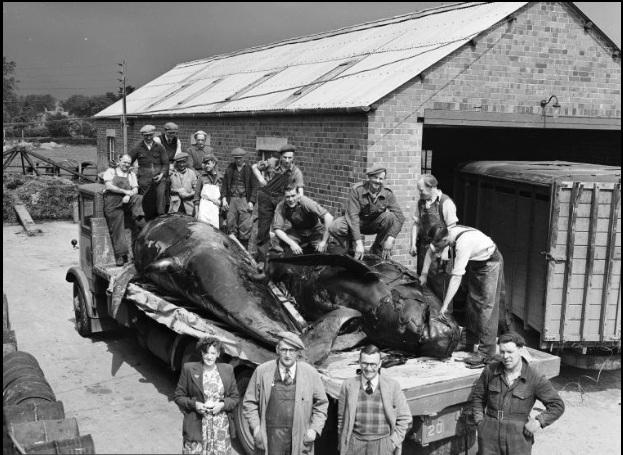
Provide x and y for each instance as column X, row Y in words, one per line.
column 192, row 259
column 397, row 312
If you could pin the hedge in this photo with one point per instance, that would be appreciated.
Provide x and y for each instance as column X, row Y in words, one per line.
column 63, row 140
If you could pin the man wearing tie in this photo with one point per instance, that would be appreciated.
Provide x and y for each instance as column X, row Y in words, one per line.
column 373, row 414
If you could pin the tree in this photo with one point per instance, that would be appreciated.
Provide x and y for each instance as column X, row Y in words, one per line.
column 58, row 125
column 9, row 91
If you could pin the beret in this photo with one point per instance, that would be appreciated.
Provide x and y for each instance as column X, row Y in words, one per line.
column 287, row 148
column 180, row 156
column 208, row 158
column 292, row 339
column 200, row 133
column 148, row 129
column 376, row 169
column 170, row 126
column 238, row 152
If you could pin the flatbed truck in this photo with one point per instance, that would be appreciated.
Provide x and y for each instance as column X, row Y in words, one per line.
column 437, row 391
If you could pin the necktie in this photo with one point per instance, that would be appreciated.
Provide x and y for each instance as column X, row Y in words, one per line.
column 369, row 390
column 287, row 379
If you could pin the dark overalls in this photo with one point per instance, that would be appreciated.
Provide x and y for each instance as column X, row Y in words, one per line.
column 279, row 416
column 151, row 162
column 486, row 293
column 267, row 199
column 120, row 216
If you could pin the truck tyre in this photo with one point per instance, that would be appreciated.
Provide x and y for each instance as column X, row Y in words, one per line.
column 83, row 322
column 243, row 432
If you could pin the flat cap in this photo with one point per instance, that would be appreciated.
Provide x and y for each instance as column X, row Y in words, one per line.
column 200, row 133
column 170, row 126
column 148, row 129
column 238, row 152
column 376, row 169
column 180, row 156
column 292, row 339
column 287, row 148
column 208, row 158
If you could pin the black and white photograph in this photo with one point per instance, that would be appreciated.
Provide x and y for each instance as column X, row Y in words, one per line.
column 287, row 228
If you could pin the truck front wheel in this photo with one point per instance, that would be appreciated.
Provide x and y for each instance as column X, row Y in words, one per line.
column 83, row 322
column 243, row 432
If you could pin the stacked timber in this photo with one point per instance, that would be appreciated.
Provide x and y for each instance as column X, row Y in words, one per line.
column 32, row 420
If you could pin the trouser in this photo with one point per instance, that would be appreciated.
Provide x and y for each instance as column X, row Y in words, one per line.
column 486, row 294
column 503, row 437
column 266, row 205
column 307, row 239
column 240, row 219
column 382, row 225
column 382, row 446
column 154, row 197
column 120, row 216
column 177, row 203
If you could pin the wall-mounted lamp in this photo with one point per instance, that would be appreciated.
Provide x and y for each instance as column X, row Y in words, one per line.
column 556, row 106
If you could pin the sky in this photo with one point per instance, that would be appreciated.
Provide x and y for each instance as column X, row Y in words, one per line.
column 65, row 48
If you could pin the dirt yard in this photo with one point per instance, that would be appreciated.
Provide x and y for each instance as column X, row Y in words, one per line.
column 122, row 395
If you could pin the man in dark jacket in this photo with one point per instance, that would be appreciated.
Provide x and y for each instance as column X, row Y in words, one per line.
column 153, row 171
column 238, row 194
column 503, row 398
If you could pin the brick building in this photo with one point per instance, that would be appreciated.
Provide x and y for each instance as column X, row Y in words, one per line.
column 420, row 93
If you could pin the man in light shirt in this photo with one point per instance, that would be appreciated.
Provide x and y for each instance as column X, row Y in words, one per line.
column 474, row 253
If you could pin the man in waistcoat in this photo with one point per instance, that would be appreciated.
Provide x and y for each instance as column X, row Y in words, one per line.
column 373, row 416
column 285, row 404
column 169, row 140
column 238, row 193
column 270, row 195
column 371, row 209
column 152, row 174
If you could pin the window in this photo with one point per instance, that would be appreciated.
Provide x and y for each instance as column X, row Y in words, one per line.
column 110, row 144
column 427, row 162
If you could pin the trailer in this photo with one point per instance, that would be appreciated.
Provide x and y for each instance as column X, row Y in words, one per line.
column 437, row 391
column 558, row 226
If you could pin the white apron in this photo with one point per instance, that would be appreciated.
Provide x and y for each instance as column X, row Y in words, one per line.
column 208, row 210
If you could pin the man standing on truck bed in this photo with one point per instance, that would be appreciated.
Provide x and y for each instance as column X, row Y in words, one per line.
column 373, row 415
column 153, row 171
column 285, row 403
column 122, row 207
column 475, row 253
column 503, row 398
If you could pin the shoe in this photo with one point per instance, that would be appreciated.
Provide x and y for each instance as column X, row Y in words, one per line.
column 477, row 359
column 119, row 261
column 376, row 249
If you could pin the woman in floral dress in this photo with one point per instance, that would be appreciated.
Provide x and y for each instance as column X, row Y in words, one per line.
column 206, row 393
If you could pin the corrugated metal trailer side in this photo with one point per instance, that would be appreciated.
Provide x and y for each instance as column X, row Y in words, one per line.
column 558, row 226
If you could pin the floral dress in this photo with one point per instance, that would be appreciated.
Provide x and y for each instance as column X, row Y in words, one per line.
column 215, row 428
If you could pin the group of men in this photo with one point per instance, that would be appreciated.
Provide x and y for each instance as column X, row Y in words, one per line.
column 373, row 415
column 285, row 404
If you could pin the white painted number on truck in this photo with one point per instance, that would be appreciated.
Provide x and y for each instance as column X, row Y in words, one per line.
column 435, row 429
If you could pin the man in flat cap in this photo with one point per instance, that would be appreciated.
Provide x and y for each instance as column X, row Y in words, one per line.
column 238, row 193
column 271, row 193
column 285, row 404
column 153, row 171
column 197, row 152
column 371, row 209
column 301, row 223
column 173, row 146
column 183, row 184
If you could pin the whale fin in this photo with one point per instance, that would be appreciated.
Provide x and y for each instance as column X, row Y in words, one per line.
column 334, row 260
column 166, row 265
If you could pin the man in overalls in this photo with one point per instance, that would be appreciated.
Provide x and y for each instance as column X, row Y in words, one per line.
column 153, row 171
column 270, row 195
column 285, row 404
column 122, row 207
column 475, row 253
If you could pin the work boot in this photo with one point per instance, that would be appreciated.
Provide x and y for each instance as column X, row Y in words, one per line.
column 119, row 261
column 376, row 249
column 477, row 359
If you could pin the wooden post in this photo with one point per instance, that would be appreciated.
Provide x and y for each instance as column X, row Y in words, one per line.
column 590, row 258
column 610, row 255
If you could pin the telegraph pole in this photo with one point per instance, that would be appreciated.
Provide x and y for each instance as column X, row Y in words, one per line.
column 124, row 118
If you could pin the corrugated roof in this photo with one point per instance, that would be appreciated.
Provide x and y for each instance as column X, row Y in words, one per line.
column 347, row 68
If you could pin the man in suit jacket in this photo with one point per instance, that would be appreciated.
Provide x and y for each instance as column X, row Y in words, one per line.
column 285, row 403
column 373, row 415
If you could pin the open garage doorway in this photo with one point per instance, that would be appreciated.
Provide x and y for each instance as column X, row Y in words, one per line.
column 452, row 145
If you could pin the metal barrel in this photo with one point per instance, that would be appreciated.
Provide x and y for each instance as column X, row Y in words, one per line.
column 29, row 433
column 32, row 412
column 28, row 389
column 79, row 445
